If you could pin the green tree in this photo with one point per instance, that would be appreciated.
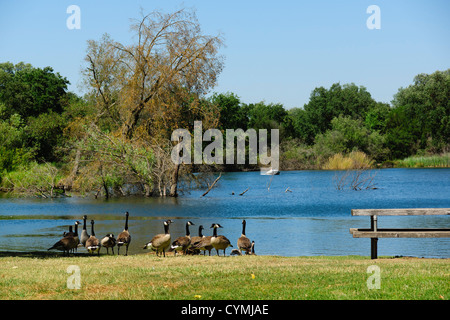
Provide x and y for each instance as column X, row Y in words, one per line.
column 269, row 116
column 425, row 108
column 326, row 104
column 347, row 135
column 232, row 114
column 13, row 151
column 376, row 118
column 29, row 91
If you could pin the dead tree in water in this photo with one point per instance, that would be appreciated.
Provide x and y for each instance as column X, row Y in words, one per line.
column 212, row 185
column 359, row 179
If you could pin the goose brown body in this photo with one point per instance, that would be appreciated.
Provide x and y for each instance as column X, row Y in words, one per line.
column 182, row 243
column 203, row 243
column 243, row 242
column 92, row 243
column 160, row 242
column 108, row 241
column 84, row 235
column 69, row 242
column 219, row 242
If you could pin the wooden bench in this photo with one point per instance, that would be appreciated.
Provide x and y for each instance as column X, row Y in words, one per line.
column 374, row 232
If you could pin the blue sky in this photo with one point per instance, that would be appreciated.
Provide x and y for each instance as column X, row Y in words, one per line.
column 276, row 51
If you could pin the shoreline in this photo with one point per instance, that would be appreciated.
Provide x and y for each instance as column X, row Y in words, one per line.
column 5, row 193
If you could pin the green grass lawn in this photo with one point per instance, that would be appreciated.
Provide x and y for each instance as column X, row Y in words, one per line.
column 224, row 278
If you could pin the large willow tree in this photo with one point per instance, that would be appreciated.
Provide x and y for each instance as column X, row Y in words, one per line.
column 141, row 92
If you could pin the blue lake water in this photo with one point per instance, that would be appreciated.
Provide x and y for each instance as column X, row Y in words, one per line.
column 313, row 219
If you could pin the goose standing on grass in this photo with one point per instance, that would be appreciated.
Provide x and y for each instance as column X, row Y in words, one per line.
column 203, row 244
column 66, row 244
column 108, row 241
column 84, row 235
column 93, row 244
column 76, row 237
column 195, row 240
column 253, row 249
column 160, row 242
column 73, row 234
column 124, row 238
column 182, row 243
column 219, row 242
column 243, row 242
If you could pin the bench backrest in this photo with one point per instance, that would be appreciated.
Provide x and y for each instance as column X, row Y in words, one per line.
column 401, row 212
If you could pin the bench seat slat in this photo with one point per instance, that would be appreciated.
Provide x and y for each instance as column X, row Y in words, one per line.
column 400, row 233
column 400, row 212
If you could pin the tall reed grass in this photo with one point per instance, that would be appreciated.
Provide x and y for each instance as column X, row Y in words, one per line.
column 434, row 161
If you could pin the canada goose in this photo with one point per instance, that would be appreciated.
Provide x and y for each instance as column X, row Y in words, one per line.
column 70, row 233
column 84, row 235
column 93, row 244
column 160, row 242
column 182, row 243
column 75, row 236
column 203, row 244
column 108, row 241
column 66, row 244
column 219, row 242
column 243, row 242
column 195, row 240
column 235, row 252
column 124, row 238
column 253, row 249
column 239, row 253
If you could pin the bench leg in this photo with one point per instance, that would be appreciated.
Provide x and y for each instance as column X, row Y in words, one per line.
column 374, row 248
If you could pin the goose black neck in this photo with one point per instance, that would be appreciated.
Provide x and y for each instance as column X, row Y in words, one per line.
column 84, row 223
column 92, row 229
column 215, row 232
column 126, row 222
column 187, row 229
column 76, row 229
column 243, row 227
column 166, row 228
column 200, row 233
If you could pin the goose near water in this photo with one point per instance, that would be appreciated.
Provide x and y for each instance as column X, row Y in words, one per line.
column 182, row 243
column 93, row 244
column 195, row 240
column 124, row 238
column 243, row 243
column 203, row 244
column 84, row 235
column 219, row 242
column 160, row 242
column 108, row 241
column 67, row 243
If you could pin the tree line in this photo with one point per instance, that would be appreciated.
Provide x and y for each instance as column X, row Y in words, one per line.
column 116, row 139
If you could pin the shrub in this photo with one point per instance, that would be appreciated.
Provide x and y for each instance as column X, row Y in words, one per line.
column 353, row 161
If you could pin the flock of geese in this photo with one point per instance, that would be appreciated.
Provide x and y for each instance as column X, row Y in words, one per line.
column 160, row 243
